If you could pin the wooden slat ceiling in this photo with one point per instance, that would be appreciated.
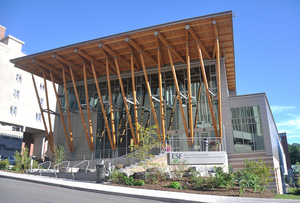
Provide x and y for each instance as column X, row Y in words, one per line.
column 172, row 34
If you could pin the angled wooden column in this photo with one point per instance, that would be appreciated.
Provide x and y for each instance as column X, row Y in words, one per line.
column 61, row 115
column 189, row 92
column 217, row 48
column 125, row 101
column 161, row 94
column 48, row 108
column 134, row 101
column 102, row 106
column 206, row 88
column 67, row 106
column 42, row 114
column 172, row 114
column 111, row 105
column 197, row 109
column 178, row 95
column 88, row 106
column 150, row 96
column 80, row 109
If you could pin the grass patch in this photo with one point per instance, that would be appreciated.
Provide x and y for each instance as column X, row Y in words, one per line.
column 291, row 195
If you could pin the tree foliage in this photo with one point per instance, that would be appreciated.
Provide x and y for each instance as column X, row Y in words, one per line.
column 23, row 161
column 294, row 151
column 147, row 142
column 58, row 155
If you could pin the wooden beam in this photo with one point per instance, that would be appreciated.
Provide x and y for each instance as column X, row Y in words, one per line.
column 67, row 106
column 112, row 65
column 63, row 64
column 125, row 101
column 178, row 95
column 173, row 113
column 62, row 115
column 197, row 108
column 90, row 58
column 134, row 100
column 150, row 95
column 161, row 37
column 217, row 48
column 48, row 108
column 158, row 47
column 80, row 109
column 135, row 61
column 206, row 88
column 214, row 52
column 42, row 114
column 48, row 67
column 88, row 106
column 196, row 38
column 59, row 81
column 111, row 105
column 102, row 106
column 161, row 96
column 189, row 93
column 113, row 53
column 137, row 47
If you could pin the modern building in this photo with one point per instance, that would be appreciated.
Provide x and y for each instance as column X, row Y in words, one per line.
column 179, row 76
column 20, row 117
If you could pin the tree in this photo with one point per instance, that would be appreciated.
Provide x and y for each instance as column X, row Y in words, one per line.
column 147, row 142
column 58, row 154
column 23, row 161
column 294, row 151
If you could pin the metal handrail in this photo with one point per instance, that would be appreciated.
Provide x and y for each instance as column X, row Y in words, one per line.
column 54, row 167
column 79, row 164
column 42, row 164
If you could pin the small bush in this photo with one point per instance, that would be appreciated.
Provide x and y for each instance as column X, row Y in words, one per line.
column 197, row 179
column 139, row 182
column 247, row 179
column 128, row 181
column 3, row 164
column 116, row 176
column 178, row 168
column 175, row 185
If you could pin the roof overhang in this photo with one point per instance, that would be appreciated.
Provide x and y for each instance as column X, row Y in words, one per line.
column 147, row 40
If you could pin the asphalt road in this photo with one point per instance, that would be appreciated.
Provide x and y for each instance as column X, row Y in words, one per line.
column 15, row 191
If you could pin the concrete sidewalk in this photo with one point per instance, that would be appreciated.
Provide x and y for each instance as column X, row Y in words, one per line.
column 132, row 192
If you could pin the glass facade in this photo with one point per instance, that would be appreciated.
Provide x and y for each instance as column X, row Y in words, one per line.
column 173, row 117
column 247, row 129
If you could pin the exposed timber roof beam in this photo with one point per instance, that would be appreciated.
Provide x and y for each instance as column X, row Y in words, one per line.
column 136, row 62
column 137, row 47
column 113, row 53
column 112, row 65
column 46, row 71
column 68, row 63
column 89, row 58
column 196, row 38
column 162, row 38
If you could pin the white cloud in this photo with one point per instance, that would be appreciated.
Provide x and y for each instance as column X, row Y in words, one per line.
column 279, row 109
column 291, row 127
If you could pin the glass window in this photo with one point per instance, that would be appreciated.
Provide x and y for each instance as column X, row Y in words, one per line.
column 247, row 129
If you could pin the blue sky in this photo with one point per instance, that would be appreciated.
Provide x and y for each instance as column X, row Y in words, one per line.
column 265, row 35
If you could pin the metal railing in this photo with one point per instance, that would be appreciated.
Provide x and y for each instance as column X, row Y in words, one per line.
column 88, row 163
column 43, row 164
column 54, row 167
column 192, row 144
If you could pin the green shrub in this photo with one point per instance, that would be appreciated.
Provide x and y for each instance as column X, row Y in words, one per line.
column 197, row 179
column 116, row 176
column 247, row 179
column 3, row 164
column 128, row 181
column 178, row 168
column 23, row 161
column 175, row 185
column 262, row 170
column 139, row 182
